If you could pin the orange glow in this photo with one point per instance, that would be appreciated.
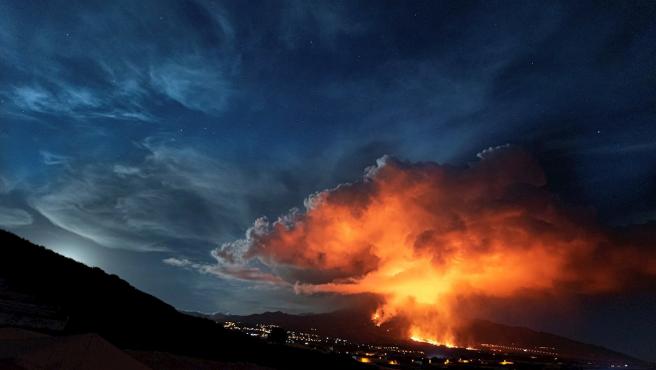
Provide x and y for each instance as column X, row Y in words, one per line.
column 418, row 338
column 422, row 242
column 424, row 237
column 504, row 362
column 376, row 318
column 365, row 360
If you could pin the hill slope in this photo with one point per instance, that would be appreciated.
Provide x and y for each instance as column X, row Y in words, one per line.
column 40, row 289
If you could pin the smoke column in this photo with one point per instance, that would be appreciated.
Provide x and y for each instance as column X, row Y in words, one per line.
column 424, row 237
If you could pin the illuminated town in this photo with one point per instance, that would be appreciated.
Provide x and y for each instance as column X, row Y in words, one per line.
column 426, row 355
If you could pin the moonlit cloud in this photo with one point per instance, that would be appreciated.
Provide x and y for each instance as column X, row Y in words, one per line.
column 12, row 217
column 122, row 170
column 177, row 262
column 5, row 186
column 171, row 193
column 196, row 84
column 69, row 101
column 52, row 159
column 125, row 80
column 242, row 272
column 328, row 21
column 66, row 100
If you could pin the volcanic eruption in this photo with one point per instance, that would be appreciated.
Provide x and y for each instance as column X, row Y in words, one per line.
column 425, row 237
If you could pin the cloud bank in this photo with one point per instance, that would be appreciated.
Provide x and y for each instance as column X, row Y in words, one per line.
column 12, row 217
column 171, row 193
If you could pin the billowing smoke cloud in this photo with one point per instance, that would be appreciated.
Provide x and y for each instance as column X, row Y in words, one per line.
column 424, row 237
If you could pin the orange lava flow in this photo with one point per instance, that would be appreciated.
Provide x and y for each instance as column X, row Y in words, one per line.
column 423, row 237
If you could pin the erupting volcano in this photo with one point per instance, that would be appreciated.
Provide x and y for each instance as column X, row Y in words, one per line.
column 425, row 238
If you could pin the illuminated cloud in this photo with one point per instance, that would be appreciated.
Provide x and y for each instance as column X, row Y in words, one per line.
column 426, row 236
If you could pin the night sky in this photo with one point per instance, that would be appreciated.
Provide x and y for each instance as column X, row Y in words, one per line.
column 134, row 132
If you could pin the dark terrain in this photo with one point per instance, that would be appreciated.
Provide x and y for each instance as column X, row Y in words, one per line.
column 46, row 292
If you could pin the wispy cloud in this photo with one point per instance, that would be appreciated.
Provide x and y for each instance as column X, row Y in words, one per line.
column 5, row 185
column 52, row 159
column 171, row 193
column 12, row 217
column 304, row 23
column 226, row 271
column 194, row 83
column 69, row 101
column 122, row 80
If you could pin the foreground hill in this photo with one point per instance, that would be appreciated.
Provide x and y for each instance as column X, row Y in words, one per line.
column 21, row 349
column 41, row 290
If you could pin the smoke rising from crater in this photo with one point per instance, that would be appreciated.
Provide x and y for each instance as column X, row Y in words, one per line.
column 423, row 237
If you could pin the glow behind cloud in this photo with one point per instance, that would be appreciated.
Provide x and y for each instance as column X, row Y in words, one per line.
column 424, row 237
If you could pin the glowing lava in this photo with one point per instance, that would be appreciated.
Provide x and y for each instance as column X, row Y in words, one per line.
column 434, row 342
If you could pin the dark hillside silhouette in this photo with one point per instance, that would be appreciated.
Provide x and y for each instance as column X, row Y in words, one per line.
column 42, row 290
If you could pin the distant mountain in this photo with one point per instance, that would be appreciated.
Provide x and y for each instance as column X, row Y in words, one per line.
column 41, row 290
column 483, row 331
column 356, row 326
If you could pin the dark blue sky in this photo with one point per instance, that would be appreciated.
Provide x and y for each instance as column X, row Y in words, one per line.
column 131, row 132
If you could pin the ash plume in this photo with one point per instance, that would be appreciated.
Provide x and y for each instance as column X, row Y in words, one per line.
column 424, row 237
